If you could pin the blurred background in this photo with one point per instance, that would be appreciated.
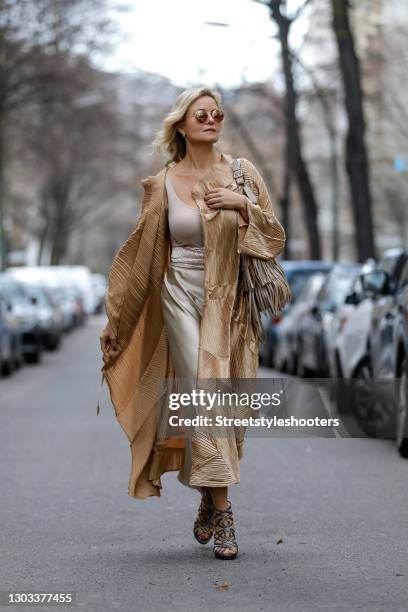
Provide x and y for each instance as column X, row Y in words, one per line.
column 313, row 93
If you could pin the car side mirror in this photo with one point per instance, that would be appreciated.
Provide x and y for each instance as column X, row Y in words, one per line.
column 375, row 282
column 352, row 298
column 315, row 311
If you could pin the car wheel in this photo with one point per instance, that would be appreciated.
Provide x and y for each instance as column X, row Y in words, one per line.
column 362, row 397
column 9, row 367
column 270, row 350
column 270, row 357
column 54, row 343
column 337, row 365
column 37, row 357
column 341, row 394
column 402, row 412
column 301, row 370
column 292, row 362
column 366, row 404
column 33, row 357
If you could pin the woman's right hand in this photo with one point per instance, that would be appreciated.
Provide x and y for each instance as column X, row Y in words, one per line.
column 109, row 346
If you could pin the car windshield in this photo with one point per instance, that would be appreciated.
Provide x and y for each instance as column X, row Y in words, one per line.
column 13, row 291
column 312, row 287
column 298, row 279
column 336, row 288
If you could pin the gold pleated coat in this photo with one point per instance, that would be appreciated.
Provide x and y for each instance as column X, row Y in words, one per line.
column 228, row 347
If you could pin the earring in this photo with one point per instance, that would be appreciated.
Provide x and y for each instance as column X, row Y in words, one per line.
column 183, row 134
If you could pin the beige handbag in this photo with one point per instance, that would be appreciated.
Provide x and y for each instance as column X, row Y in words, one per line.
column 262, row 283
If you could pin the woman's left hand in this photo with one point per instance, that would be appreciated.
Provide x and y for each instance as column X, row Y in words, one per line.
column 220, row 197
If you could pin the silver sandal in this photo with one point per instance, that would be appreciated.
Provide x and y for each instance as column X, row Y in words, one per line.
column 224, row 533
column 203, row 522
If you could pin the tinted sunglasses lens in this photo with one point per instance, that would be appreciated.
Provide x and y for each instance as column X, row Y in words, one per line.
column 218, row 115
column 201, row 116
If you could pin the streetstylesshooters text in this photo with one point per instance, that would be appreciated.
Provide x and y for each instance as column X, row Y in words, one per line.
column 255, row 401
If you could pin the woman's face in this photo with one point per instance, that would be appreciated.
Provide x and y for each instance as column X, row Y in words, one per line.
column 210, row 130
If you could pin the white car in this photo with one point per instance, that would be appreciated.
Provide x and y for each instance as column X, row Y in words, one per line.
column 99, row 283
column 286, row 352
column 349, row 334
column 74, row 277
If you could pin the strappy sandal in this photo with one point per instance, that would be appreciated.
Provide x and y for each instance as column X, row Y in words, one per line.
column 203, row 529
column 225, row 544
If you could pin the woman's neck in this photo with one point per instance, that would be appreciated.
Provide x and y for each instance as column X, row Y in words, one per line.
column 198, row 159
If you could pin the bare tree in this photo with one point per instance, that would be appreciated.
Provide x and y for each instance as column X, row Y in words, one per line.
column 356, row 153
column 73, row 146
column 296, row 167
column 322, row 95
column 33, row 33
column 279, row 192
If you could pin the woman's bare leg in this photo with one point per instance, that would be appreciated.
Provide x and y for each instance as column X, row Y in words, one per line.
column 220, row 497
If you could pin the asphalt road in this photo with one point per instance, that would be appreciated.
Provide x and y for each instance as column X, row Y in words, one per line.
column 338, row 507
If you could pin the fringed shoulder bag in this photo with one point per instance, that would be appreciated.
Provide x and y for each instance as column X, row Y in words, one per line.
column 262, row 283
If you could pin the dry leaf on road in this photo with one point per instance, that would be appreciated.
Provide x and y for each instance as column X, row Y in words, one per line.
column 222, row 587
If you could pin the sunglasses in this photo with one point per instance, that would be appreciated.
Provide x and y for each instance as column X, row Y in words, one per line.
column 201, row 115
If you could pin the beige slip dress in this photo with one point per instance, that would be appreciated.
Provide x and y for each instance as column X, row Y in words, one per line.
column 207, row 462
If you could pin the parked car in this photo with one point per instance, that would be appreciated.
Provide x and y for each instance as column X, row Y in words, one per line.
column 286, row 351
column 384, row 410
column 297, row 274
column 49, row 316
column 348, row 354
column 7, row 350
column 60, row 305
column 77, row 278
column 99, row 284
column 23, row 313
column 63, row 291
column 67, row 305
column 317, row 329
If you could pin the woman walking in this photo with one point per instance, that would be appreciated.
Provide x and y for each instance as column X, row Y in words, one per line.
column 174, row 311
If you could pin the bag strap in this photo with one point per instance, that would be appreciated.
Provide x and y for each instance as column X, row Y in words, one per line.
column 238, row 173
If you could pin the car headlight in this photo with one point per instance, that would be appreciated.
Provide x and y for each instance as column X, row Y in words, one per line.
column 45, row 318
column 25, row 320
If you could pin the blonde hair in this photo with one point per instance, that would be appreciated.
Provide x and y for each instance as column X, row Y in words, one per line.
column 168, row 139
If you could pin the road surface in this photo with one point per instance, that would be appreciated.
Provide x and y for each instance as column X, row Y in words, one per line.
column 321, row 523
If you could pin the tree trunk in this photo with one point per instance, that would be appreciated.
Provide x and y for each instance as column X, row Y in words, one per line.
column 58, row 231
column 58, row 249
column 295, row 161
column 42, row 243
column 334, row 162
column 285, row 208
column 356, row 154
column 3, row 252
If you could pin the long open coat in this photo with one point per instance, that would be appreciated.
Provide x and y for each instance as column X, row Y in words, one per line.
column 228, row 346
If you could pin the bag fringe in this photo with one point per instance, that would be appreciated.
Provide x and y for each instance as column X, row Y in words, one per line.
column 262, row 284
column 264, row 288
